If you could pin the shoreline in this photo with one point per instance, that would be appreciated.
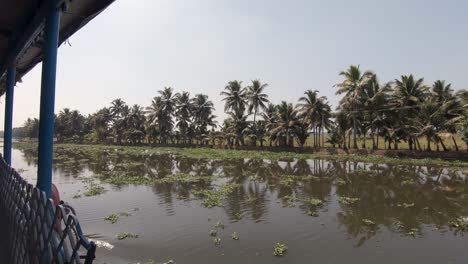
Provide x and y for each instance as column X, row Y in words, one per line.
column 448, row 158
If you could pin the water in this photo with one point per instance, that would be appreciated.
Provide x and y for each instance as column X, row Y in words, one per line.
column 410, row 206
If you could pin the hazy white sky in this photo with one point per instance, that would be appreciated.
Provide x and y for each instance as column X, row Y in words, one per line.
column 135, row 48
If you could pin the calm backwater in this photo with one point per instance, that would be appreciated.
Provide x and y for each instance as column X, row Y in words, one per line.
column 324, row 211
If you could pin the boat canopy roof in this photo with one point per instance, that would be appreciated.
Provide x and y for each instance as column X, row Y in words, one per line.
column 22, row 30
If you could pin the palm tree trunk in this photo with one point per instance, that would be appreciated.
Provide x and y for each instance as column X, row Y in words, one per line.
column 443, row 145
column 323, row 137
column 373, row 138
column 319, row 136
column 354, row 134
column 454, row 143
column 418, row 144
column 364, row 141
column 377, row 143
column 349, row 140
column 428, row 143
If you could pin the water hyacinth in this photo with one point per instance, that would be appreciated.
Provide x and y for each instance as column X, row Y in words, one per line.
column 279, row 249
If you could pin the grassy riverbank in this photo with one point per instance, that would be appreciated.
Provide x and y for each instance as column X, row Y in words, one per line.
column 211, row 153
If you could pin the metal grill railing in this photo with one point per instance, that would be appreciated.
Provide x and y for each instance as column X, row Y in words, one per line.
column 36, row 230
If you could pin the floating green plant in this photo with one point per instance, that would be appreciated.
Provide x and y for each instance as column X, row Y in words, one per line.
column 234, row 236
column 313, row 201
column 94, row 189
column 413, row 232
column 408, row 182
column 214, row 197
column 398, row 224
column 213, row 232
column 347, row 200
column 368, row 222
column 313, row 213
column 289, row 201
column 113, row 218
column 279, row 249
column 185, row 178
column 287, row 180
column 459, row 223
column 221, row 154
column 125, row 235
column 219, row 224
column 238, row 216
column 406, row 205
column 341, row 182
column 217, row 241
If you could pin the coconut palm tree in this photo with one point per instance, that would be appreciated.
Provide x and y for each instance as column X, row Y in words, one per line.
column 234, row 97
column 256, row 99
column 287, row 120
column 183, row 113
column 353, row 87
column 375, row 100
column 203, row 114
column 315, row 113
column 408, row 97
column 119, row 111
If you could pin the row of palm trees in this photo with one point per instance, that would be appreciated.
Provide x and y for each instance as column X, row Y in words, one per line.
column 403, row 110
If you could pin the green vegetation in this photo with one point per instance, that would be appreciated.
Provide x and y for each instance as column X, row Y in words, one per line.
column 459, row 224
column 313, row 201
column 217, row 241
column 347, row 200
column 125, row 235
column 289, row 201
column 219, row 225
column 404, row 112
column 113, row 218
column 406, row 205
column 218, row 154
column 234, row 236
column 279, row 250
column 214, row 197
column 413, row 232
column 213, row 232
column 185, row 178
column 94, row 189
column 368, row 222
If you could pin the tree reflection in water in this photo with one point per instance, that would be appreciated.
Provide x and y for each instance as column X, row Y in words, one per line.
column 400, row 198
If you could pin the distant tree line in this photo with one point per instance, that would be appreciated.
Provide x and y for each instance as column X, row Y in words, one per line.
column 402, row 110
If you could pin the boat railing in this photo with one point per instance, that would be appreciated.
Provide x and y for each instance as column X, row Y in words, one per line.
column 36, row 229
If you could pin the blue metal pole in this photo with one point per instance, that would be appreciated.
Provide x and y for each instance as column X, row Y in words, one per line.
column 10, row 85
column 46, row 122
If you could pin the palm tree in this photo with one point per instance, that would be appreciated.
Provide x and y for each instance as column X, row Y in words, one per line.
column 136, row 124
column 409, row 95
column 315, row 113
column 287, row 120
column 256, row 98
column 203, row 114
column 235, row 125
column 353, row 87
column 375, row 98
column 183, row 113
column 234, row 97
column 119, row 111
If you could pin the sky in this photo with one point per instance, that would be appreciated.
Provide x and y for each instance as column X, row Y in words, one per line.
column 135, row 48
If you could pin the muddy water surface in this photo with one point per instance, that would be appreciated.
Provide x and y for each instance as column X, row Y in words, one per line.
column 324, row 211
